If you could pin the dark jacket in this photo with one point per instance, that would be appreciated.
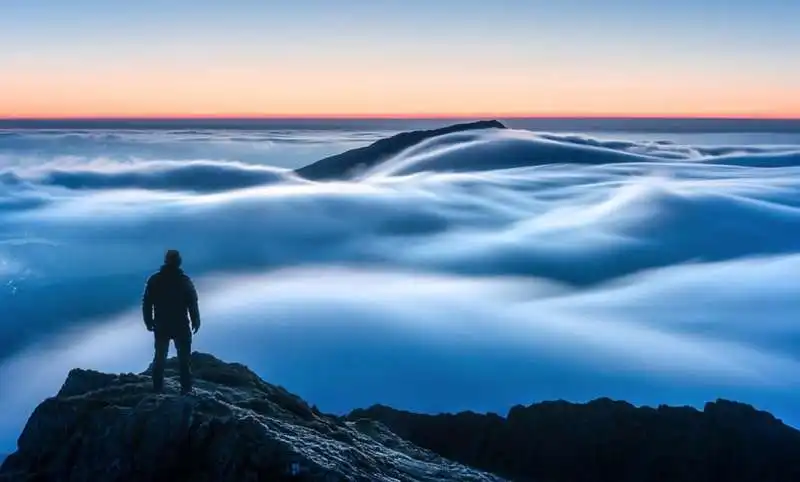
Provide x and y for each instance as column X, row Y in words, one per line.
column 169, row 303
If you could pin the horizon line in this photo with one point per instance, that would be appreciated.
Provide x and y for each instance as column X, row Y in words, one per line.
column 403, row 116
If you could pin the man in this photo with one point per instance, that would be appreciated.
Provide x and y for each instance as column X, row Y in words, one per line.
column 169, row 297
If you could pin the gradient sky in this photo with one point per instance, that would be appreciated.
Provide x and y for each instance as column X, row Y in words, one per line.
column 414, row 57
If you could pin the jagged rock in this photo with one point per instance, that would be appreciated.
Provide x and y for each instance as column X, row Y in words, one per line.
column 609, row 441
column 235, row 427
column 344, row 165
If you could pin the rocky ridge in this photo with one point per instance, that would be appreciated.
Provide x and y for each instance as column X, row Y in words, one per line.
column 235, row 427
column 111, row 427
column 609, row 441
column 345, row 165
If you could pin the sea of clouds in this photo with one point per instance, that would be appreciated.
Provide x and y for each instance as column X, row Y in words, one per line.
column 473, row 271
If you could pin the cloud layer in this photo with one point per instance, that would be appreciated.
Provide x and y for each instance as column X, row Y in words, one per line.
column 470, row 272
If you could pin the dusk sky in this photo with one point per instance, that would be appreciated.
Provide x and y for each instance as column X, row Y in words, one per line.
column 399, row 57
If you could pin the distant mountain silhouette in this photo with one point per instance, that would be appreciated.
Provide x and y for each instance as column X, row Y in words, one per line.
column 346, row 164
column 609, row 441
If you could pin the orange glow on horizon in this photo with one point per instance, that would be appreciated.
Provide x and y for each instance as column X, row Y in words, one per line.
column 145, row 95
column 410, row 116
column 218, row 92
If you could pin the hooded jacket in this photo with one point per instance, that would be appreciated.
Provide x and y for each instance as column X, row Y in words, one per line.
column 169, row 303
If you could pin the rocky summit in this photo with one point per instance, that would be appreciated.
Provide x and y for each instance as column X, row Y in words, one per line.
column 609, row 441
column 234, row 427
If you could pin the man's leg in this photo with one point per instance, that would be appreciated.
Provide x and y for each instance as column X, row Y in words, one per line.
column 183, row 345
column 159, row 359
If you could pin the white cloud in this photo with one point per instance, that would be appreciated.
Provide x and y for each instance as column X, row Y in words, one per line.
column 640, row 276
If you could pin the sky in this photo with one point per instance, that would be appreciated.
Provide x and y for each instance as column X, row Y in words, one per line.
column 90, row 58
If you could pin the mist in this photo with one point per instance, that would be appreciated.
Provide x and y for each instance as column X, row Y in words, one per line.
column 472, row 271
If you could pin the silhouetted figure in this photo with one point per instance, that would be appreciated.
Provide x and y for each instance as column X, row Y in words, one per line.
column 169, row 305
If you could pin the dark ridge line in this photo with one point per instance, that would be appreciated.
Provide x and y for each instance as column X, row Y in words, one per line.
column 342, row 165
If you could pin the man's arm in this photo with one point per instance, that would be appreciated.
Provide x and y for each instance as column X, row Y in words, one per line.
column 147, row 306
column 194, row 309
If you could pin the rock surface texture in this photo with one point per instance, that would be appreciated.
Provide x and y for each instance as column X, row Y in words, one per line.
column 235, row 427
column 345, row 165
column 609, row 441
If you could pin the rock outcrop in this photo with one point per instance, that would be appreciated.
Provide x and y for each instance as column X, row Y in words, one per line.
column 235, row 427
column 609, row 441
column 346, row 164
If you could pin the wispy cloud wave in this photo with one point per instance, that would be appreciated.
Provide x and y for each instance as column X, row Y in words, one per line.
column 475, row 272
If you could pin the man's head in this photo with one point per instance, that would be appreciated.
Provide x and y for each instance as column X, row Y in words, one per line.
column 173, row 258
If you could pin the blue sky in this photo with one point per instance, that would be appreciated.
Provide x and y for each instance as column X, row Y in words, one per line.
column 510, row 56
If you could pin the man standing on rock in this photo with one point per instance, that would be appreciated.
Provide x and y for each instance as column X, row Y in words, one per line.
column 169, row 305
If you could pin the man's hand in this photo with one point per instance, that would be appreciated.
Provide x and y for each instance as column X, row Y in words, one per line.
column 150, row 327
column 195, row 327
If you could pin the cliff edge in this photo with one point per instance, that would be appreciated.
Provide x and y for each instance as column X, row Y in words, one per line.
column 235, row 427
